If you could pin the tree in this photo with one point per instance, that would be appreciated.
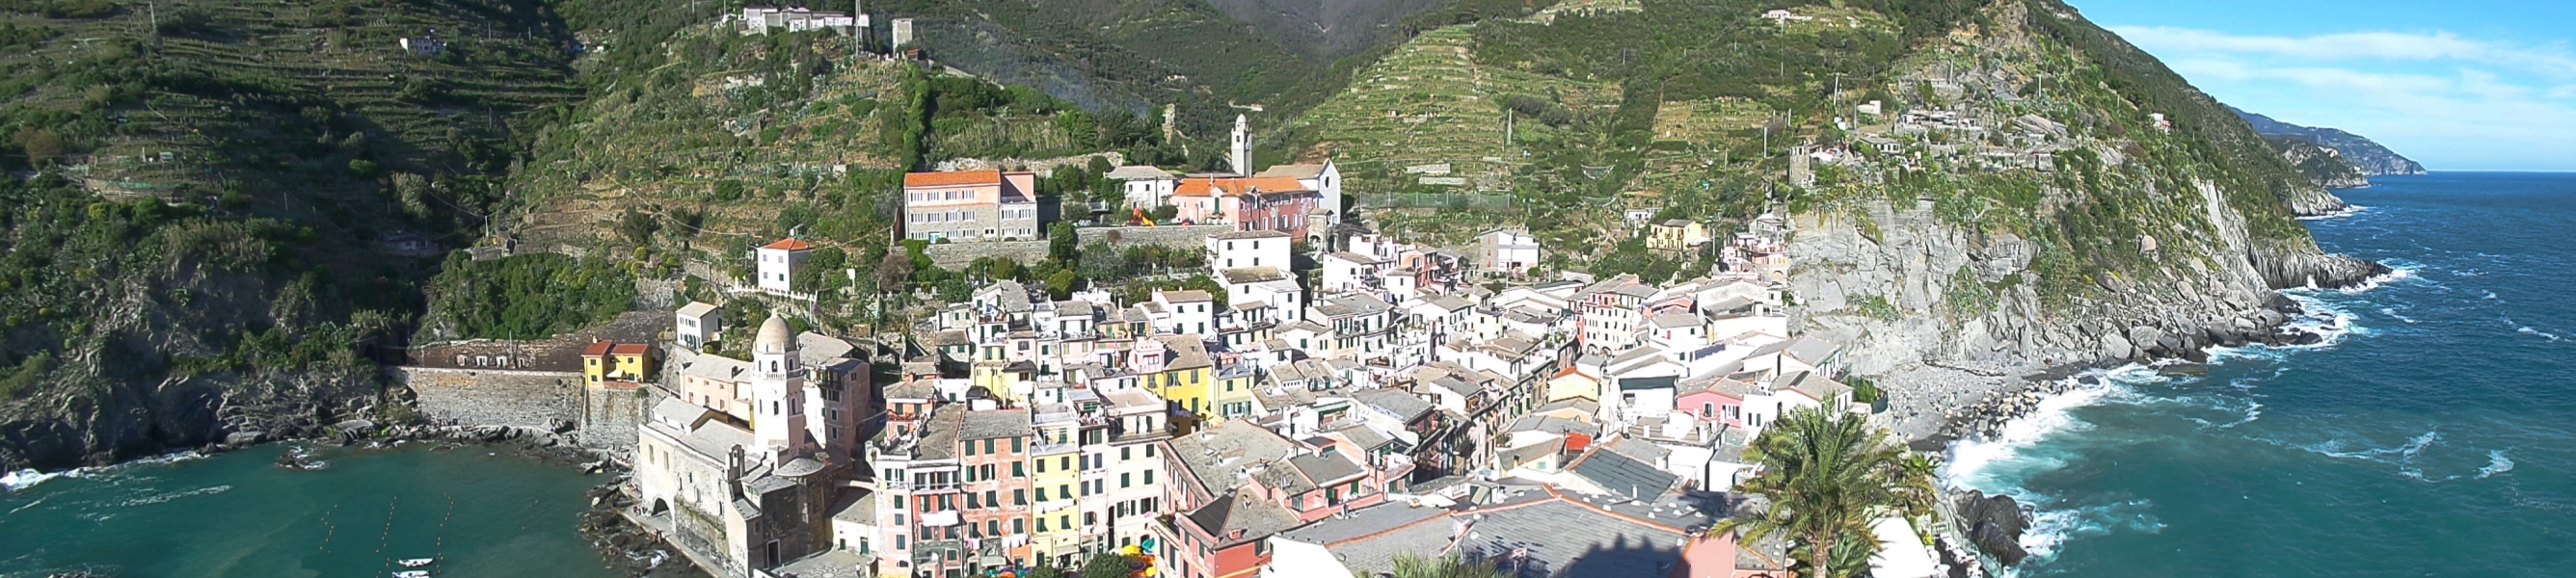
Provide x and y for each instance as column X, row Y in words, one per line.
column 1108, row 566
column 1062, row 241
column 1408, row 566
column 1060, row 285
column 894, row 272
column 1826, row 475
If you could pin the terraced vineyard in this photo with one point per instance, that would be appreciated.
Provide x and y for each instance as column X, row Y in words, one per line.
column 1429, row 103
column 238, row 90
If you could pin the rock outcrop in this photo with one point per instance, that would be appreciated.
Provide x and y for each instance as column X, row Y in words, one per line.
column 2324, row 166
column 2362, row 153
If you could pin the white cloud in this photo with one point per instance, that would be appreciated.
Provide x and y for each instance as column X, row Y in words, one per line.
column 2356, row 46
column 2452, row 102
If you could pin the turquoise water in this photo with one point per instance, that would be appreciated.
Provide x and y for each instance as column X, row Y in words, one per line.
column 2435, row 436
column 480, row 511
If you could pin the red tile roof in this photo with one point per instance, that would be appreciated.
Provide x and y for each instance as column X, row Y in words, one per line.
column 597, row 348
column 628, row 349
column 789, row 245
column 951, row 179
column 1202, row 187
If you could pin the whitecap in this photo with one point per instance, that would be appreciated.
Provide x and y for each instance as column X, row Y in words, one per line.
column 2348, row 210
column 23, row 479
column 2527, row 330
column 160, row 498
column 2496, row 464
column 2392, row 313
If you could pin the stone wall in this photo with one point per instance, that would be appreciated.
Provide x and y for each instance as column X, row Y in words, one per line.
column 610, row 416
column 958, row 255
column 540, row 399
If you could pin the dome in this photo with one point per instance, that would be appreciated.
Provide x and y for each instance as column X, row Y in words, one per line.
column 774, row 337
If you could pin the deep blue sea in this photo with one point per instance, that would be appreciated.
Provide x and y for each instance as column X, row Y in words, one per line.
column 2435, row 436
column 479, row 511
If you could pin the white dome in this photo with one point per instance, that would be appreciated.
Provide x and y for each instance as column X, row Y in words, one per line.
column 774, row 337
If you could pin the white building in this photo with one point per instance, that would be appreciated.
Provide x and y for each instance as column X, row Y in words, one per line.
column 697, row 325
column 779, row 261
column 1249, row 249
column 1146, row 187
column 1185, row 313
column 1506, row 251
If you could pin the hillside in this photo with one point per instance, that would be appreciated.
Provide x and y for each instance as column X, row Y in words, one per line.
column 233, row 203
column 2057, row 177
column 2361, row 152
column 2322, row 165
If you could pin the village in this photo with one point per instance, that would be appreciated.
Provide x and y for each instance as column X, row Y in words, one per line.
column 1320, row 415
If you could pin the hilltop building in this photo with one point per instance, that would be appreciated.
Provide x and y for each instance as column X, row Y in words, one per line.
column 970, row 205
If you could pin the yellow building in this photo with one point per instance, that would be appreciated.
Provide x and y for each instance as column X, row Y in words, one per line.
column 1007, row 380
column 605, row 362
column 1179, row 371
column 1676, row 235
column 1232, row 396
column 1573, row 384
column 1055, row 464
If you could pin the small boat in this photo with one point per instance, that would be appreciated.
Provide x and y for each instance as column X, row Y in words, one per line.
column 412, row 574
column 415, row 562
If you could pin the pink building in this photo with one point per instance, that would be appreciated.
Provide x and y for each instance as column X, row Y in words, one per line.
column 1250, row 204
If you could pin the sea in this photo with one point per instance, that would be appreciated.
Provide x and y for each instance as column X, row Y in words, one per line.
column 478, row 511
column 2433, row 435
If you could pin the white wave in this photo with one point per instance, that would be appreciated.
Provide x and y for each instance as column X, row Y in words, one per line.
column 160, row 498
column 2328, row 319
column 2253, row 411
column 2052, row 526
column 2491, row 296
column 2392, row 313
column 25, row 507
column 2348, row 210
column 2496, row 464
column 2527, row 330
column 23, row 479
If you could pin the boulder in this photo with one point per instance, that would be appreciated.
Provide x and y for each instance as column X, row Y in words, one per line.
column 2116, row 347
column 243, row 439
column 2183, row 369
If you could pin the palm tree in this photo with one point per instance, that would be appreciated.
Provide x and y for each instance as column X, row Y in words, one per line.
column 1408, row 566
column 1826, row 474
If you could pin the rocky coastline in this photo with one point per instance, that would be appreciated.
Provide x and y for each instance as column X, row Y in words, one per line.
column 1993, row 524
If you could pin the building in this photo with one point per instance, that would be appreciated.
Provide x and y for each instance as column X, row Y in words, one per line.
column 603, row 362
column 970, row 205
column 1676, row 236
column 779, row 261
column 1324, row 178
column 697, row 325
column 1239, row 153
column 1146, row 187
column 743, row 494
column 1263, row 248
column 762, row 20
column 1249, row 203
column 1506, row 252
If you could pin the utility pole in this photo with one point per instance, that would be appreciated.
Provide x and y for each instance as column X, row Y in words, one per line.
column 152, row 13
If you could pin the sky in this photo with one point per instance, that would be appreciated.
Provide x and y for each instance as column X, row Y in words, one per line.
column 2466, row 85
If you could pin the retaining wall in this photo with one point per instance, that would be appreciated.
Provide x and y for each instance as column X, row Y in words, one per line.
column 957, row 255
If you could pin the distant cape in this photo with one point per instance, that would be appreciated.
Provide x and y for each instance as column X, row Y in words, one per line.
column 2371, row 159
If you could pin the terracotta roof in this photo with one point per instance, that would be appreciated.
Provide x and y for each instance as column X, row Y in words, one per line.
column 789, row 245
column 1202, row 187
column 628, row 349
column 597, row 348
column 952, row 179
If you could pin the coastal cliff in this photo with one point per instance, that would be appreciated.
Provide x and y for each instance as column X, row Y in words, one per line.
column 2324, row 166
column 2151, row 240
column 2368, row 156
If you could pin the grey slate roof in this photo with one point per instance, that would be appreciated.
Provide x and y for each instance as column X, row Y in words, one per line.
column 1257, row 518
column 1405, row 406
column 1370, row 539
column 1215, row 454
column 1565, row 539
column 1000, row 423
column 1325, row 468
column 1623, row 476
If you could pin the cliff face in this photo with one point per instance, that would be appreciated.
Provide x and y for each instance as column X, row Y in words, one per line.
column 2362, row 153
column 2141, row 252
column 2323, row 165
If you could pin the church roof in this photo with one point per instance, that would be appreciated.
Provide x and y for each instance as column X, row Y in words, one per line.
column 774, row 336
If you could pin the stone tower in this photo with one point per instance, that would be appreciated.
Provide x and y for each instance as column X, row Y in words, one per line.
column 778, row 396
column 1242, row 151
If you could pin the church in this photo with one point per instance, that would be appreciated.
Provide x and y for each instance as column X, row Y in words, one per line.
column 744, row 475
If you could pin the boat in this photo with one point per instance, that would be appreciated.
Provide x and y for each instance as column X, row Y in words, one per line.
column 415, row 562
column 412, row 574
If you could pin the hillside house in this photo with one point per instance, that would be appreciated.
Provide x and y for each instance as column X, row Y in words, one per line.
column 1506, row 252
column 970, row 205
column 779, row 261
column 697, row 325
column 1146, row 187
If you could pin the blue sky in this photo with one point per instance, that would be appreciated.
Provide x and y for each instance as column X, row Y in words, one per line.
column 2454, row 84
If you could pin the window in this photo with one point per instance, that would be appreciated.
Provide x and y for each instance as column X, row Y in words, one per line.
column 1123, row 479
column 1064, row 491
column 1016, row 468
column 1015, row 442
column 1123, row 455
column 1042, row 525
column 1707, row 410
column 1041, row 466
column 988, row 446
column 1019, row 497
column 1020, row 526
column 1149, row 477
column 971, row 503
column 1149, row 450
column 992, row 498
column 898, row 502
